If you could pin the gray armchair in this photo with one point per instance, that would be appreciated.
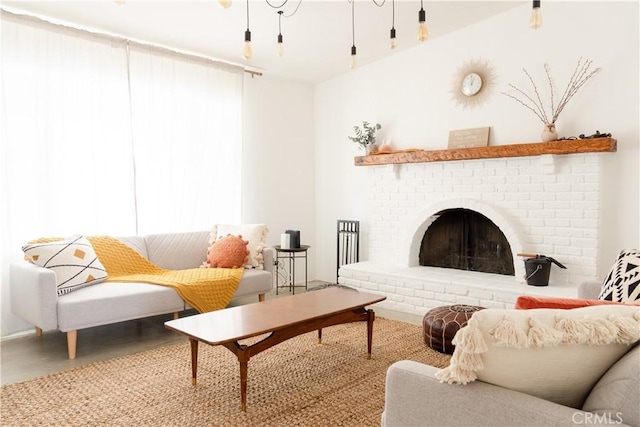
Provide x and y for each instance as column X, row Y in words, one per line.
column 415, row 397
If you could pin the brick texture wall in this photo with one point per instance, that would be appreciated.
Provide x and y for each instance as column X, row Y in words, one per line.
column 543, row 204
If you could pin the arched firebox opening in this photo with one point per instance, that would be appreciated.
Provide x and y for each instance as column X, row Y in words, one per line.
column 466, row 240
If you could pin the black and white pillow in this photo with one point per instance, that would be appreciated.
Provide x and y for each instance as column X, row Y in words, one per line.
column 73, row 260
column 622, row 284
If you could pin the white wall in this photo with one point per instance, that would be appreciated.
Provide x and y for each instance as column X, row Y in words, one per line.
column 408, row 94
column 278, row 167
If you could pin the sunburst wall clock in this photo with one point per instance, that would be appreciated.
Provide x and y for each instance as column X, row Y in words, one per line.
column 472, row 83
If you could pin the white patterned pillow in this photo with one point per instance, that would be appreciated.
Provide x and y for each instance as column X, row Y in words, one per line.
column 622, row 284
column 255, row 234
column 73, row 260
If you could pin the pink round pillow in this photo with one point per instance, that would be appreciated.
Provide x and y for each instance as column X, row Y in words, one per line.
column 228, row 252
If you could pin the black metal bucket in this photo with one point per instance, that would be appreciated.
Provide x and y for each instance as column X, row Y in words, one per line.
column 538, row 270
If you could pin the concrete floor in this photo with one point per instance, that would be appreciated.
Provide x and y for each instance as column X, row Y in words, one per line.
column 29, row 357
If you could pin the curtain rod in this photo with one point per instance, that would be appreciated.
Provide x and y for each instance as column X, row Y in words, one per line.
column 23, row 16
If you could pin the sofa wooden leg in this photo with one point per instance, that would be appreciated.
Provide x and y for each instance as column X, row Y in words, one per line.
column 72, row 339
column 176, row 315
column 260, row 297
column 38, row 332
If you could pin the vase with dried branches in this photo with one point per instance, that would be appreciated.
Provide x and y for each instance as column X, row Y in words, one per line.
column 581, row 75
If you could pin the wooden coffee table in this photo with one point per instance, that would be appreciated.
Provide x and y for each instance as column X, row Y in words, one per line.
column 282, row 318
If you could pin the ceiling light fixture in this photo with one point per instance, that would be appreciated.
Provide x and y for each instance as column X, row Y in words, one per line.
column 392, row 41
column 423, row 33
column 225, row 3
column 247, row 51
column 280, row 47
column 354, row 58
column 536, row 16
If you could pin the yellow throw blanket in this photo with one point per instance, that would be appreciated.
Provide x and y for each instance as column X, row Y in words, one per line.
column 205, row 289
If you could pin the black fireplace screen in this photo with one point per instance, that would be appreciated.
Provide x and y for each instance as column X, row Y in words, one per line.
column 466, row 240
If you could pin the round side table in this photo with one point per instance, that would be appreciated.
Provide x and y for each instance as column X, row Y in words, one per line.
column 292, row 255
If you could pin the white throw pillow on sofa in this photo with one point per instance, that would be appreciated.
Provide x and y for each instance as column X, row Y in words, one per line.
column 255, row 234
column 554, row 354
column 73, row 260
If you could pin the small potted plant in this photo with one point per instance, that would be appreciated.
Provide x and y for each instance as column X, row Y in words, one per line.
column 366, row 136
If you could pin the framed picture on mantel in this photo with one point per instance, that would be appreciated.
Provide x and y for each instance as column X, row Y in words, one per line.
column 467, row 138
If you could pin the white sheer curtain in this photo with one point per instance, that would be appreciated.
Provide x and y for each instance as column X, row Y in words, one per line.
column 187, row 124
column 65, row 161
column 97, row 142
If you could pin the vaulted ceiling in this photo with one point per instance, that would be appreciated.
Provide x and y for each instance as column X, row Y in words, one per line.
column 317, row 38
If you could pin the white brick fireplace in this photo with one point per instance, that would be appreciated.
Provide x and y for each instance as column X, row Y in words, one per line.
column 548, row 204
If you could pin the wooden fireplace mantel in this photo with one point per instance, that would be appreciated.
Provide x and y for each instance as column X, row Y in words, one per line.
column 572, row 146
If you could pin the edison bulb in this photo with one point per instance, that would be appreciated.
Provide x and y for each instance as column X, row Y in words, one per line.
column 536, row 18
column 247, row 52
column 225, row 3
column 423, row 33
column 354, row 58
column 280, row 49
column 392, row 43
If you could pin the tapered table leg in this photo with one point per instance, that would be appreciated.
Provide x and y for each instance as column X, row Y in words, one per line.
column 194, row 360
column 370, row 318
column 243, row 358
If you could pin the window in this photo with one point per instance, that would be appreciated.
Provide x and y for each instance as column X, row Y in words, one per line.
column 103, row 136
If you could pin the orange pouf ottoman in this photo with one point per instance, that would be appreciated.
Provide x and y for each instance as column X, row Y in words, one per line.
column 441, row 324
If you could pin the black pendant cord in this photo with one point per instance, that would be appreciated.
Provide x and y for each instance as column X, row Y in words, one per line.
column 282, row 5
column 294, row 11
column 280, row 26
column 247, row 34
column 277, row 7
column 393, row 15
column 353, row 24
column 392, row 33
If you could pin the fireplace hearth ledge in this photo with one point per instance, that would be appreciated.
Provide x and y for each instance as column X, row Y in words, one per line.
column 416, row 290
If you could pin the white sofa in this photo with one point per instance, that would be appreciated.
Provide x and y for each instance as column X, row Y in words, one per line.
column 34, row 297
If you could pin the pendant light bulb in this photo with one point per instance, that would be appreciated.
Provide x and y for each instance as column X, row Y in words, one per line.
column 392, row 36
column 247, row 51
column 225, row 3
column 423, row 32
column 280, row 46
column 354, row 58
column 536, row 16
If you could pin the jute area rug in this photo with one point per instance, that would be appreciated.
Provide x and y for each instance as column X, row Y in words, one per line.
column 296, row 383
